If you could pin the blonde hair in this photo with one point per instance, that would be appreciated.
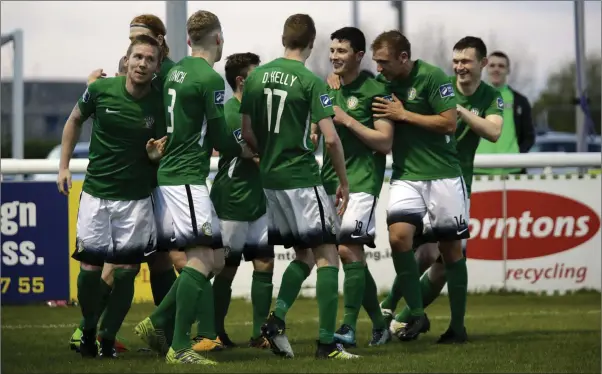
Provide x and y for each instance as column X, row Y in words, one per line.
column 200, row 25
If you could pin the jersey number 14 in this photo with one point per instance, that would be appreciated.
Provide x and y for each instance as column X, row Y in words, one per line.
column 270, row 94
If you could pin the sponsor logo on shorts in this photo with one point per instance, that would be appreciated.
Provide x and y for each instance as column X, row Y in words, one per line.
column 500, row 103
column 80, row 245
column 446, row 90
column 538, row 224
column 226, row 251
column 238, row 135
column 352, row 102
column 218, row 97
column 325, row 100
column 411, row 94
column 206, row 228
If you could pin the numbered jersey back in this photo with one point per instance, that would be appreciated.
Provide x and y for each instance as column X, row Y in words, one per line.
column 193, row 95
column 283, row 98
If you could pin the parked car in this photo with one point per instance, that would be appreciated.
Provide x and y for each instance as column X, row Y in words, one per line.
column 81, row 150
column 554, row 141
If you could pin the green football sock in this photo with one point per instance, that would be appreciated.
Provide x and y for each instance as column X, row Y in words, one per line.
column 429, row 293
column 164, row 314
column 457, row 288
column 119, row 303
column 353, row 292
column 392, row 299
column 222, row 294
column 292, row 279
column 327, row 293
column 370, row 302
column 161, row 283
column 407, row 269
column 205, row 317
column 105, row 292
column 87, row 294
column 189, row 299
column 261, row 298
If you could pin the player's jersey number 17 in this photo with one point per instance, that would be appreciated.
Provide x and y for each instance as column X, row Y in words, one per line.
column 269, row 100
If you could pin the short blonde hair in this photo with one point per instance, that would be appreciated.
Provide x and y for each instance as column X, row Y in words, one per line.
column 200, row 25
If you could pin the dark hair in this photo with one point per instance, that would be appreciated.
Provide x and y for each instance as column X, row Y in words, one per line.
column 472, row 42
column 353, row 35
column 394, row 40
column 148, row 40
column 237, row 65
column 299, row 32
column 502, row 55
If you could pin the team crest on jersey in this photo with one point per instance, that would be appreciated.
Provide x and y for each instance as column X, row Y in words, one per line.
column 475, row 111
column 446, row 90
column 412, row 94
column 206, row 228
column 500, row 103
column 149, row 121
column 238, row 135
column 218, row 97
column 352, row 102
column 325, row 100
column 86, row 96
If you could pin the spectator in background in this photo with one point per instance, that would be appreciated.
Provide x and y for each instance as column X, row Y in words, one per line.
column 518, row 133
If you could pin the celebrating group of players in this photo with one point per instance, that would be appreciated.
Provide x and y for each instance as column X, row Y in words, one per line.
column 145, row 197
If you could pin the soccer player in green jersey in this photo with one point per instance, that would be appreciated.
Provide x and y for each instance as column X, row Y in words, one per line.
column 365, row 142
column 162, row 275
column 426, row 179
column 194, row 109
column 239, row 202
column 115, row 222
column 480, row 108
column 280, row 101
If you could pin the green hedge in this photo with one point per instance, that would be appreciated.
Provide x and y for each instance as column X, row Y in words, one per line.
column 32, row 149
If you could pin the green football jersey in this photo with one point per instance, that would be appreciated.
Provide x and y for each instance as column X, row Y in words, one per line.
column 159, row 78
column 365, row 167
column 283, row 98
column 236, row 193
column 119, row 167
column 193, row 94
column 485, row 101
column 420, row 154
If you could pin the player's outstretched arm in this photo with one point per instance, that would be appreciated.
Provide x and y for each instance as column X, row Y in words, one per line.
column 247, row 133
column 489, row 127
column 379, row 139
column 71, row 133
column 444, row 122
column 333, row 145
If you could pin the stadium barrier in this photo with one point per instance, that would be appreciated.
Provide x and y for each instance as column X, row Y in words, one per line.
column 528, row 233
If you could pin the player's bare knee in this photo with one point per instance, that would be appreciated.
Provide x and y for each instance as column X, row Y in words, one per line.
column 351, row 253
column 219, row 260
column 200, row 259
column 326, row 255
column 265, row 265
column 436, row 274
column 179, row 260
column 160, row 262
column 401, row 236
column 451, row 251
column 89, row 267
column 306, row 256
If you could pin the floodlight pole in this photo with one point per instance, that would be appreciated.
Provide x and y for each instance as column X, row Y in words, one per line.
column 17, row 132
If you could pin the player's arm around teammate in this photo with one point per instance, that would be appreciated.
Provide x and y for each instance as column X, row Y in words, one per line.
column 366, row 142
column 114, row 221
